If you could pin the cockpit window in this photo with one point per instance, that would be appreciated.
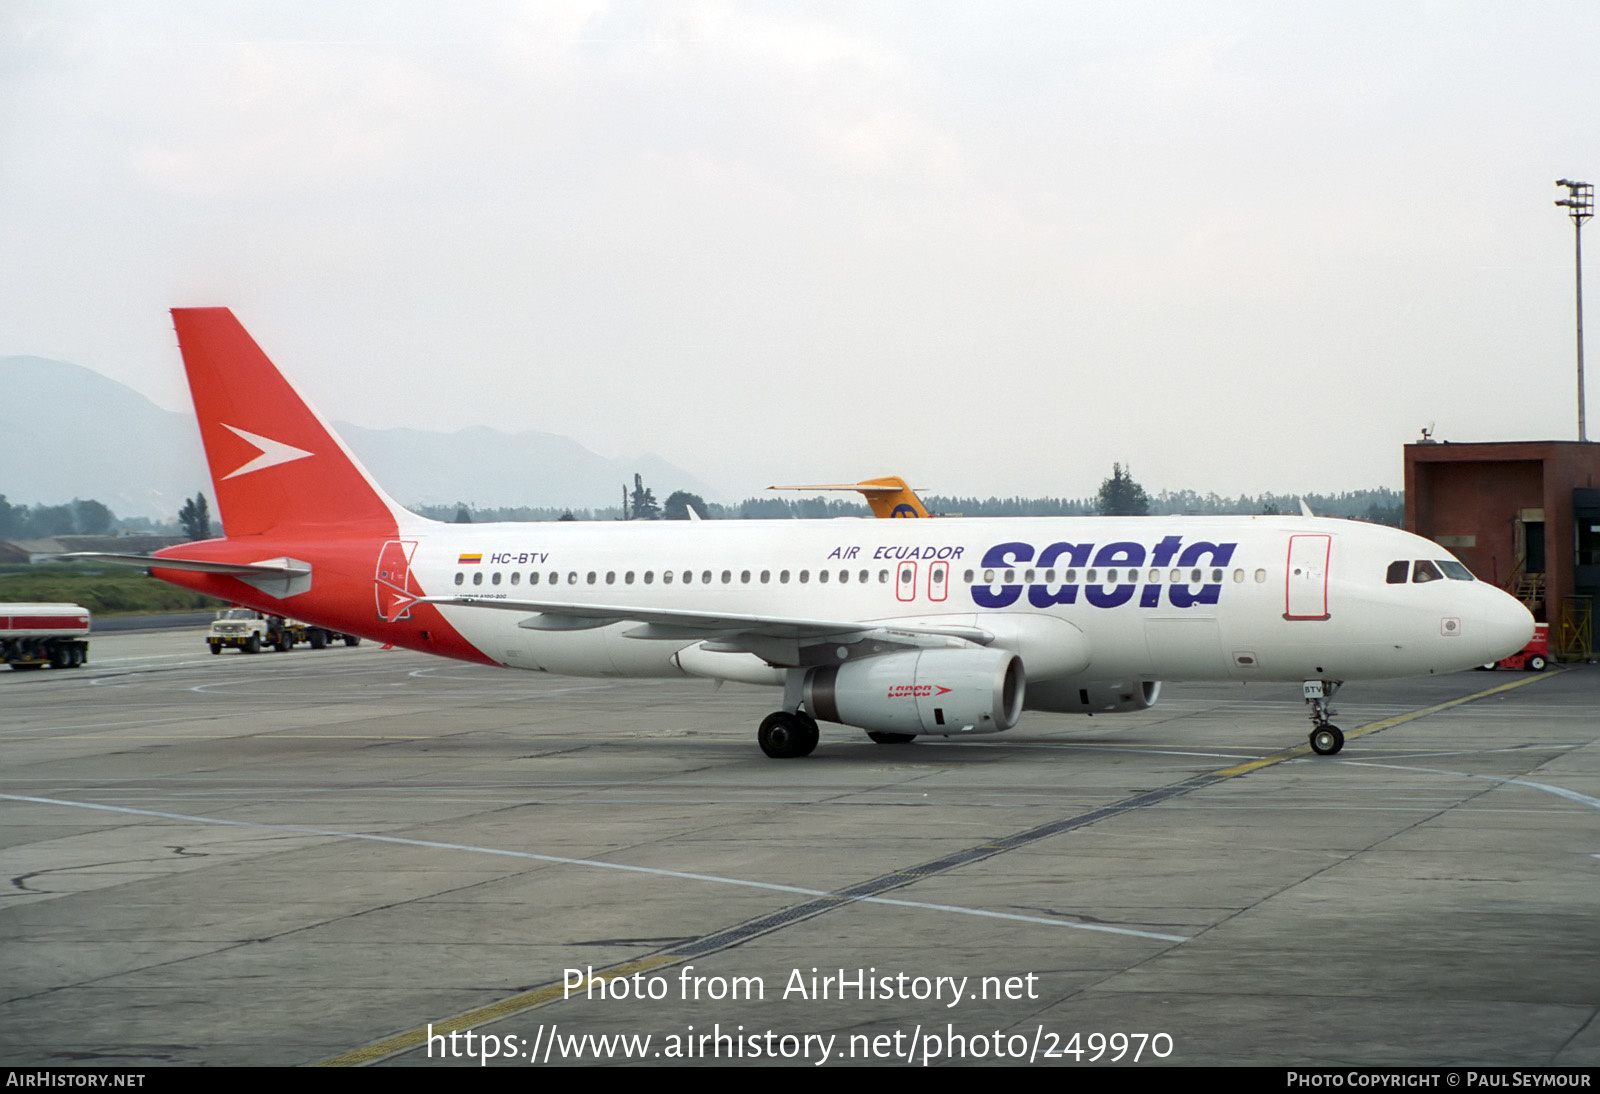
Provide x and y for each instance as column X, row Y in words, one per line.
column 1454, row 570
column 1397, row 572
column 1425, row 571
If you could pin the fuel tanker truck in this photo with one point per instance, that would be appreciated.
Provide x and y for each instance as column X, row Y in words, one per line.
column 35, row 635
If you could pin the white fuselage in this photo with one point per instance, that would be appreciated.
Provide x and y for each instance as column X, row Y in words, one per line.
column 1161, row 598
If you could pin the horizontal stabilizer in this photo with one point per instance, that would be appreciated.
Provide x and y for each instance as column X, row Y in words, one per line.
column 275, row 568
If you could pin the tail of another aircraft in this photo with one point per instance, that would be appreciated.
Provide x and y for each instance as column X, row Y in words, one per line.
column 889, row 496
column 275, row 464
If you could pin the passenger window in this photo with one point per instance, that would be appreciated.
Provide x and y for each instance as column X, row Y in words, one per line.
column 1070, row 577
column 1261, row 577
column 1397, row 572
column 822, row 576
column 727, row 576
column 688, row 577
column 1194, row 577
column 744, row 577
column 844, row 577
column 460, row 577
column 905, row 575
column 650, row 576
column 783, row 577
column 938, row 577
column 705, row 577
column 627, row 578
column 572, row 577
column 533, row 577
column 1425, row 571
column 1027, row 578
column 477, row 577
column 1238, row 577
column 1216, row 575
column 766, row 576
column 494, row 579
column 1176, row 576
column 1155, row 575
column 1111, row 576
column 515, row 577
column 864, row 576
column 1011, row 576
column 805, row 576
column 883, row 576
column 591, row 577
column 611, row 577
column 1090, row 577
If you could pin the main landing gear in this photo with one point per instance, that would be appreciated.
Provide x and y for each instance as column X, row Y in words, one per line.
column 786, row 736
column 1326, row 738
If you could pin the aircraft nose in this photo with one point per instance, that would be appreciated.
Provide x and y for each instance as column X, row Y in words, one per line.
column 1506, row 625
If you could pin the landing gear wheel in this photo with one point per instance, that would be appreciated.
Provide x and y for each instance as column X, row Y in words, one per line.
column 1536, row 663
column 352, row 640
column 891, row 738
column 809, row 724
column 785, row 736
column 1327, row 740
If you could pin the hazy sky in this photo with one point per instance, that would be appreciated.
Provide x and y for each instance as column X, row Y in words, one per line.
column 992, row 247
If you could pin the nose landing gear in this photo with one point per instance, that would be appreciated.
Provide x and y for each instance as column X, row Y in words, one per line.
column 1326, row 738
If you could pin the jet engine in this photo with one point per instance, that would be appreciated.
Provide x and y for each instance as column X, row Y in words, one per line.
column 1093, row 696
column 921, row 691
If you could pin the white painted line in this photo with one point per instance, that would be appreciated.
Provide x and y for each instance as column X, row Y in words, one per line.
column 1558, row 791
column 595, row 864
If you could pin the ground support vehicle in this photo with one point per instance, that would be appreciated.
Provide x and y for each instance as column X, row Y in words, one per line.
column 35, row 635
column 250, row 631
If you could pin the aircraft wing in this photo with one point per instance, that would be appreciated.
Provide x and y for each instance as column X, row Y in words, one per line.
column 675, row 623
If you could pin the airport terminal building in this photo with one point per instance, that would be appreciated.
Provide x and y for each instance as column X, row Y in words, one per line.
column 1524, row 515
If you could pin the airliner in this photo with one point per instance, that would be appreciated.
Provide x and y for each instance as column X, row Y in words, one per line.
column 900, row 628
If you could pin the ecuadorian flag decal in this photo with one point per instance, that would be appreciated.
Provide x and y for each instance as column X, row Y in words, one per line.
column 470, row 560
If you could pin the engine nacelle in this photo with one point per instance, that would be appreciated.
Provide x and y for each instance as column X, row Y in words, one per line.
column 1093, row 696
column 921, row 691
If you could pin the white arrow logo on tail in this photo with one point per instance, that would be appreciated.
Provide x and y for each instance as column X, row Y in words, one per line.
column 272, row 452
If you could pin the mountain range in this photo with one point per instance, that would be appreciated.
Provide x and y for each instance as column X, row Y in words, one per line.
column 67, row 432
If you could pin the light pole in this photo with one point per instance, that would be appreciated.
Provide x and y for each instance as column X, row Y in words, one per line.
column 1579, row 204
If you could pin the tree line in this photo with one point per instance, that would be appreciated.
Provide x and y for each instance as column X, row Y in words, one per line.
column 1119, row 495
column 77, row 517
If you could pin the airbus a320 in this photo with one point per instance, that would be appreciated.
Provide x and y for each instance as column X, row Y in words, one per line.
column 900, row 628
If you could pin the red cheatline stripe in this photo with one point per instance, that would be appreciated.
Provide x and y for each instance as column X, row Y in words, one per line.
column 42, row 622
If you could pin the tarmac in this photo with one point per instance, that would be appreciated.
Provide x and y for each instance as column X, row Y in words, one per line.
column 325, row 856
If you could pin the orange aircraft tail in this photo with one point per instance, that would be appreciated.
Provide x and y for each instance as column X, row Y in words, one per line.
column 275, row 464
column 889, row 496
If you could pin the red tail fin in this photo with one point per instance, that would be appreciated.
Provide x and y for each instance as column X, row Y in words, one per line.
column 275, row 464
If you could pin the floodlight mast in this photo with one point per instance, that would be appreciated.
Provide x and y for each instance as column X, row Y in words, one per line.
column 1579, row 204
